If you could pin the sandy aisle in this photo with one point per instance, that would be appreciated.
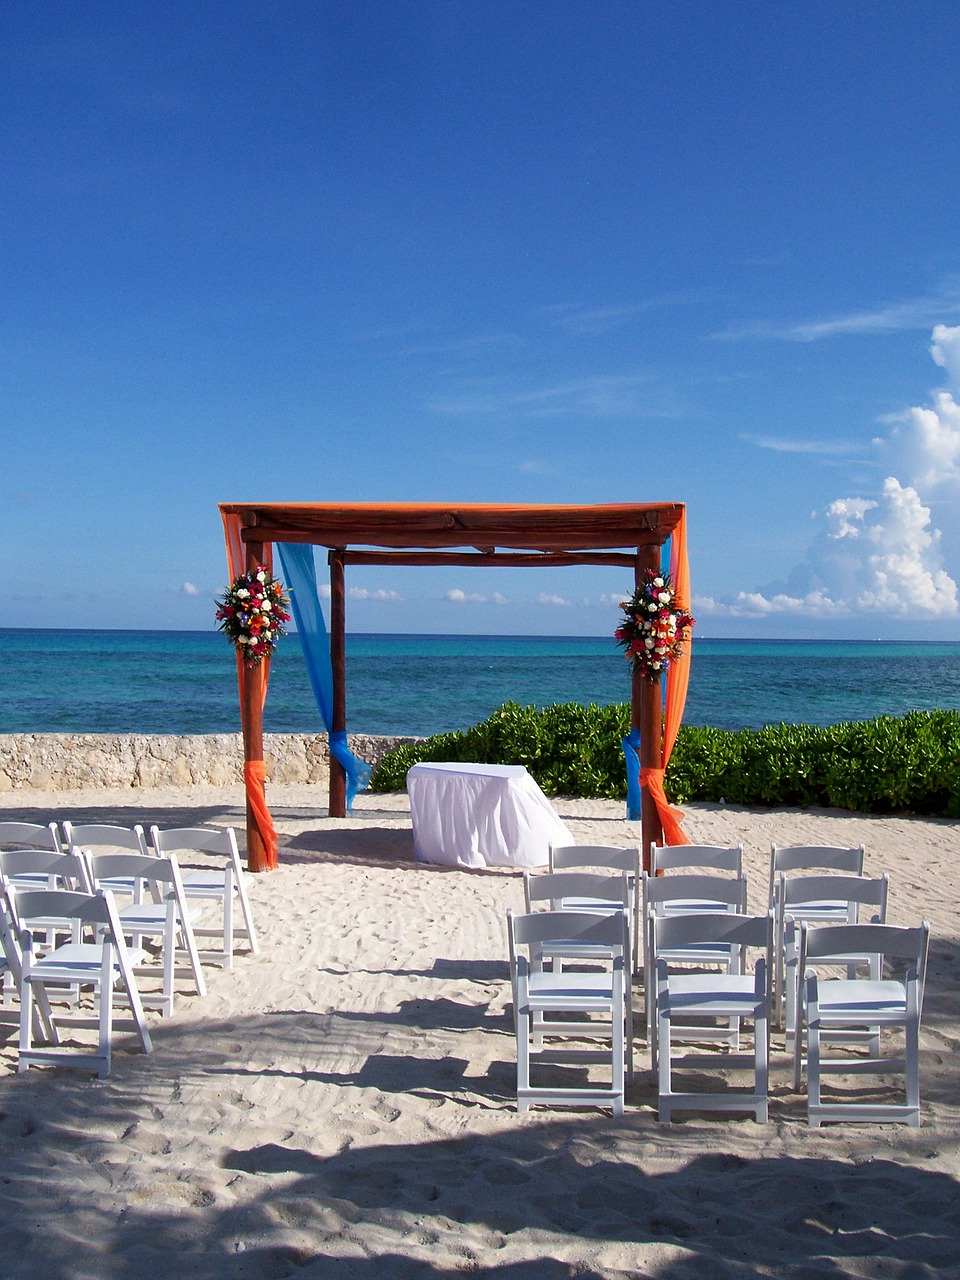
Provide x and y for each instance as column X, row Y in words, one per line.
column 342, row 1105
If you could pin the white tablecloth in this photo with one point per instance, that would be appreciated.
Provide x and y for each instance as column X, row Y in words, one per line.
column 481, row 815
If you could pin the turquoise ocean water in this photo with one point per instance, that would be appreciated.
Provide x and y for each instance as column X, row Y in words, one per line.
column 185, row 682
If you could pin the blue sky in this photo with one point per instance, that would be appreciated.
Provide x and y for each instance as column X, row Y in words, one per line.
column 491, row 252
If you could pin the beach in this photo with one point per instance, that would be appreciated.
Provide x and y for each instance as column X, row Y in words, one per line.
column 342, row 1104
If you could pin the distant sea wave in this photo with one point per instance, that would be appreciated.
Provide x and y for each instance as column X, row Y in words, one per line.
column 55, row 681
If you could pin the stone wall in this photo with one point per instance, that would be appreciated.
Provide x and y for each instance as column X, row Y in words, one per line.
column 74, row 761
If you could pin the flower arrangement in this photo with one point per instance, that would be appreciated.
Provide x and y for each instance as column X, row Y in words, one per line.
column 251, row 615
column 654, row 627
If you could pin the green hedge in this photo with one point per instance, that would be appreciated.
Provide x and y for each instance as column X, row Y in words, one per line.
column 893, row 764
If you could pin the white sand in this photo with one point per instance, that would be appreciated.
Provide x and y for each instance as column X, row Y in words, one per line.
column 342, row 1105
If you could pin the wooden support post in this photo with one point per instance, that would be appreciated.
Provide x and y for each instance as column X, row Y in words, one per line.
column 338, row 663
column 647, row 716
column 257, row 855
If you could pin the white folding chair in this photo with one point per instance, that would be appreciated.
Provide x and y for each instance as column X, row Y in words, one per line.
column 165, row 915
column 11, row 973
column 815, row 900
column 710, row 996
column 557, row 1005
column 43, row 869
column 840, row 1009
column 96, row 957
column 610, row 859
column 30, row 835
column 583, row 892
column 223, row 885
column 785, row 860
column 684, row 894
column 98, row 837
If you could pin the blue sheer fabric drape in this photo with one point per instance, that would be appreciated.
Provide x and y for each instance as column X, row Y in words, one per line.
column 300, row 572
column 631, row 753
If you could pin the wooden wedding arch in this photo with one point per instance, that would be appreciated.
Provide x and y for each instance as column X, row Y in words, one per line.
column 627, row 535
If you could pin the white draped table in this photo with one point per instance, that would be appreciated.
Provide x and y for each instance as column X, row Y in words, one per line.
column 481, row 815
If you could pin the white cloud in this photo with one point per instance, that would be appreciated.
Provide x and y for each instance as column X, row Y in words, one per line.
column 892, row 317
column 882, row 553
column 616, row 396
column 189, row 589
column 465, row 597
column 546, row 598
column 871, row 557
column 497, row 598
column 930, row 438
column 826, row 447
column 362, row 593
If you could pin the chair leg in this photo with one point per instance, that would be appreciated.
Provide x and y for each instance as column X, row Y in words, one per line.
column 524, row 1030
column 26, row 1025
column 761, row 1032
column 228, row 919
column 247, row 914
column 813, row 1059
column 665, row 1084
column 629, row 1020
column 619, row 1052
column 106, row 1015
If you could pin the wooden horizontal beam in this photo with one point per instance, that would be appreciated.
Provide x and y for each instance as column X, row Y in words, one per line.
column 435, row 526
column 485, row 559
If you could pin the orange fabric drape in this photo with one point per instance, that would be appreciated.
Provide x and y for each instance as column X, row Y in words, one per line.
column 677, row 678
column 254, row 778
column 254, row 771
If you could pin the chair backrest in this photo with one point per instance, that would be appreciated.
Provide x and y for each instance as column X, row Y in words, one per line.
column 30, row 835
column 728, row 891
column 601, row 856
column 103, row 837
column 221, row 840
column 91, row 909
column 812, row 857
column 672, row 933
column 558, row 887
column 716, row 857
column 9, row 942
column 142, row 868
column 821, row 943
column 532, row 928
column 70, row 868
column 855, row 891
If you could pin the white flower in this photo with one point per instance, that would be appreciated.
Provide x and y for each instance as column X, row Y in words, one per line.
column 266, row 606
column 243, row 593
column 242, row 639
column 266, row 635
column 652, row 608
column 648, row 642
column 658, row 582
column 664, row 597
column 261, row 576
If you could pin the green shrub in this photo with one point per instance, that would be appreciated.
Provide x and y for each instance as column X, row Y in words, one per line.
column 906, row 764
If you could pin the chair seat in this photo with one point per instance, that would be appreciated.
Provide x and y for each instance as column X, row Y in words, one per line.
column 846, row 1000
column 590, row 904
column 697, row 953
column 586, row 992
column 204, row 883
column 819, row 911
column 685, row 906
column 712, row 994
column 71, row 962
column 146, row 916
